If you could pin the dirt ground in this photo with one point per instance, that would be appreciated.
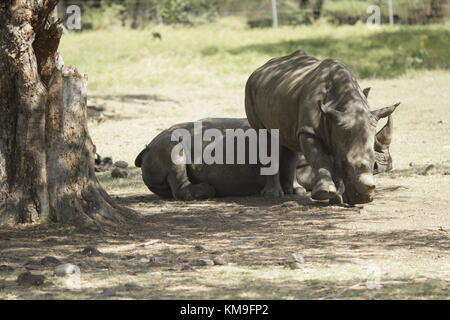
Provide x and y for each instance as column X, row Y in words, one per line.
column 397, row 247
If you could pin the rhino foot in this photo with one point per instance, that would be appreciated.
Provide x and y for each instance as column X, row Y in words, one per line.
column 324, row 191
column 195, row 192
column 272, row 193
column 202, row 191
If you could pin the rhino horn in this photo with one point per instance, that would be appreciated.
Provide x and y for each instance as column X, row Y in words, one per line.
column 385, row 112
column 366, row 92
column 384, row 137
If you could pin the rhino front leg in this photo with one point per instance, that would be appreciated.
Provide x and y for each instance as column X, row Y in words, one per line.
column 182, row 189
column 322, row 164
column 288, row 178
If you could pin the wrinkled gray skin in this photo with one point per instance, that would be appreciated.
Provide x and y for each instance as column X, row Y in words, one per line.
column 188, row 182
column 322, row 112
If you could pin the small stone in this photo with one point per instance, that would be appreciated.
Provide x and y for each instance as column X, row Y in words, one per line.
column 109, row 292
column 107, row 161
column 297, row 257
column 411, row 164
column 430, row 170
column 50, row 261
column 362, row 211
column 199, row 247
column 119, row 174
column 220, row 260
column 91, row 252
column 121, row 164
column 203, row 262
column 66, row 269
column 132, row 287
column 295, row 265
column 5, row 268
column 29, row 279
column 32, row 265
column 187, row 268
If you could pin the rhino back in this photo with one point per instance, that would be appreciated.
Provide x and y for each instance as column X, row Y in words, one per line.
column 284, row 94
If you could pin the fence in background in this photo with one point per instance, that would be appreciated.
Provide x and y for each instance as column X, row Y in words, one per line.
column 258, row 13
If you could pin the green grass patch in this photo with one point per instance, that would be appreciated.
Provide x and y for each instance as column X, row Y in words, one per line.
column 225, row 53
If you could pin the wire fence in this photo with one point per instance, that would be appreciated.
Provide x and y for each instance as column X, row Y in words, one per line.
column 258, row 13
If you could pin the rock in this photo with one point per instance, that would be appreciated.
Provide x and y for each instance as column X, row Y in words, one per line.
column 203, row 262
column 50, row 261
column 295, row 265
column 121, row 164
column 32, row 265
column 109, row 292
column 66, row 269
column 29, row 279
column 4, row 268
column 430, row 170
column 102, row 164
column 411, row 164
column 119, row 174
column 132, row 287
column 298, row 258
column 199, row 247
column 91, row 252
column 187, row 268
column 220, row 260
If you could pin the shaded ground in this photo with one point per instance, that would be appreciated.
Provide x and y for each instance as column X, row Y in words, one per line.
column 393, row 244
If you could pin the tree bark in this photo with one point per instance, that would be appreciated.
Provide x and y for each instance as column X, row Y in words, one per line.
column 46, row 154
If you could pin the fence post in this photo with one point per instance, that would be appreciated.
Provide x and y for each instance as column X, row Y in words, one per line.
column 391, row 13
column 274, row 14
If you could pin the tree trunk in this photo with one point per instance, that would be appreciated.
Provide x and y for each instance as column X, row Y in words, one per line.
column 46, row 154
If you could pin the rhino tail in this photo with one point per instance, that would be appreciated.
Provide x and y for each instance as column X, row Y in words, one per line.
column 138, row 161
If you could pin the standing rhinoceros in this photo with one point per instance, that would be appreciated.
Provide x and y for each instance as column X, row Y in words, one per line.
column 196, row 181
column 322, row 112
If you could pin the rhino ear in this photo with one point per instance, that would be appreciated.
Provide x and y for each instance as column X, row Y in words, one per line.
column 383, row 138
column 366, row 92
column 337, row 116
column 385, row 112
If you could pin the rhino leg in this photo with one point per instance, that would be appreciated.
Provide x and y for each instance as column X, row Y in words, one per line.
column 288, row 166
column 305, row 174
column 183, row 189
column 272, row 188
column 322, row 164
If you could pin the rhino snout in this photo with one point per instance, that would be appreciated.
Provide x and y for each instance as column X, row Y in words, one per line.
column 366, row 183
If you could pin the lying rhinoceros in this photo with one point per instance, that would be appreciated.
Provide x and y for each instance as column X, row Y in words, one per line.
column 197, row 181
column 321, row 111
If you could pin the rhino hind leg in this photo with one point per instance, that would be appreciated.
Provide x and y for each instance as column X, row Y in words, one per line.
column 183, row 189
column 322, row 164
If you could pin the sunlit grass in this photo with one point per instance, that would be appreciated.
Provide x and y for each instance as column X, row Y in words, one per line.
column 226, row 52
